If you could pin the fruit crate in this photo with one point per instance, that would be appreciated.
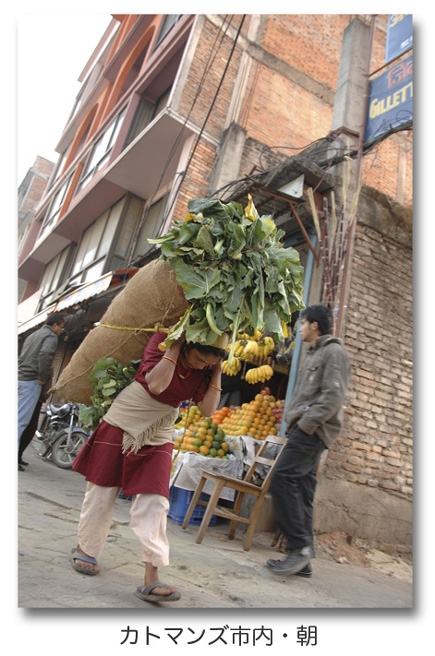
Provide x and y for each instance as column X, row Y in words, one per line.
column 179, row 502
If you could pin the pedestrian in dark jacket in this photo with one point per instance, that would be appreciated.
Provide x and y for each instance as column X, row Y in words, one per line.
column 34, row 368
column 314, row 419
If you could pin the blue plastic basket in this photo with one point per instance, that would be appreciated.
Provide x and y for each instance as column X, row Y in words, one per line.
column 179, row 502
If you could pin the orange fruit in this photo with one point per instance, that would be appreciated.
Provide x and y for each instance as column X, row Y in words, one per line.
column 204, row 450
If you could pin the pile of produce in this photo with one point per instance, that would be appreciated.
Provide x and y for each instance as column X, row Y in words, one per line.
column 235, row 273
column 201, row 435
column 255, row 419
column 278, row 412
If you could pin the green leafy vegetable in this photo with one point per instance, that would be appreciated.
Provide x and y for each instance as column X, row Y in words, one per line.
column 234, row 271
column 109, row 377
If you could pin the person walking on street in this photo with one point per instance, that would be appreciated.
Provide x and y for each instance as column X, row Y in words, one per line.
column 314, row 419
column 131, row 449
column 34, row 369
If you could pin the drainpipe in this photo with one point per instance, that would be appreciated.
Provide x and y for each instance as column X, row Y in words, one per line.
column 298, row 339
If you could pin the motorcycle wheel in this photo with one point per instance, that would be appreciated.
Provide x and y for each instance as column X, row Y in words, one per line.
column 64, row 454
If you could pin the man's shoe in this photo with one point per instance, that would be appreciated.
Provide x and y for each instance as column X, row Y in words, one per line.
column 294, row 562
column 22, row 462
column 306, row 572
column 20, row 467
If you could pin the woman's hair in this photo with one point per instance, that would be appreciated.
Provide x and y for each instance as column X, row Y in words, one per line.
column 206, row 349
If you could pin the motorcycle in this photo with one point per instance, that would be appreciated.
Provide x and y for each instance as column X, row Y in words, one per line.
column 61, row 434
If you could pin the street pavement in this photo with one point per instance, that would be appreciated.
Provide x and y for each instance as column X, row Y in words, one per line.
column 215, row 574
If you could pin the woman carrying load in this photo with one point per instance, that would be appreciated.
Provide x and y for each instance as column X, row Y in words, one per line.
column 131, row 449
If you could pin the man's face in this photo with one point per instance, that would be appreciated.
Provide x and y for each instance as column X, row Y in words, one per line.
column 58, row 328
column 309, row 331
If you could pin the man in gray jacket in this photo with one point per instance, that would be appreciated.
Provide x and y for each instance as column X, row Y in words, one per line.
column 34, row 368
column 314, row 419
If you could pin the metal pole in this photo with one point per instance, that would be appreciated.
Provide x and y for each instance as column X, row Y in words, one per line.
column 298, row 340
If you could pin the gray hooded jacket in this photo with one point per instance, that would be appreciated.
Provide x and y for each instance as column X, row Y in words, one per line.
column 317, row 403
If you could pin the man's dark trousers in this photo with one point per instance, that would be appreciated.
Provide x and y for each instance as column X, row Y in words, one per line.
column 293, row 486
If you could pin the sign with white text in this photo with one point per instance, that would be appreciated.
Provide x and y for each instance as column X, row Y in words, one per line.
column 399, row 35
column 390, row 100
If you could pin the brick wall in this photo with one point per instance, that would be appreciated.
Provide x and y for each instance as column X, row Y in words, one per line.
column 375, row 448
column 288, row 102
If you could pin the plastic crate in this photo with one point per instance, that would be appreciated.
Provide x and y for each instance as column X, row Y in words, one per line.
column 179, row 502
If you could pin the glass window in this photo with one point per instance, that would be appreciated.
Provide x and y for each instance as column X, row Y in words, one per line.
column 162, row 101
column 55, row 207
column 153, row 218
column 94, row 272
column 95, row 245
column 109, row 232
column 168, row 24
column 53, row 277
column 142, row 117
column 102, row 149
column 89, row 244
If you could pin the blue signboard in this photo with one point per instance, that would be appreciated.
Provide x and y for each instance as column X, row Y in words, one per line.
column 399, row 35
column 390, row 100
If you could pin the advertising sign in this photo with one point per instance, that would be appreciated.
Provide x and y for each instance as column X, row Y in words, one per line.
column 399, row 35
column 390, row 100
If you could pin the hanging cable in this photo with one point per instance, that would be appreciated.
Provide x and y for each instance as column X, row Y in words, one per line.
column 214, row 50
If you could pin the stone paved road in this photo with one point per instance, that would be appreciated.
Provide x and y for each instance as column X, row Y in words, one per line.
column 215, row 574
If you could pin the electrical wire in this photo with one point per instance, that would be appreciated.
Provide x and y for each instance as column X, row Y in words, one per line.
column 208, row 113
column 213, row 52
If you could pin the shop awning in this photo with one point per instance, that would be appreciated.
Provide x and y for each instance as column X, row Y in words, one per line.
column 78, row 295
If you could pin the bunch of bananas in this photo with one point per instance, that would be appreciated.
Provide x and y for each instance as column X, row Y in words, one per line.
column 258, row 374
column 233, row 369
column 257, row 346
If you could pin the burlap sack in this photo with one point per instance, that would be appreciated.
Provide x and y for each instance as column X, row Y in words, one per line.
column 151, row 297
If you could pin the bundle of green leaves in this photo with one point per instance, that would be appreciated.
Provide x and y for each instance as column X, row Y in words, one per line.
column 109, row 377
column 234, row 271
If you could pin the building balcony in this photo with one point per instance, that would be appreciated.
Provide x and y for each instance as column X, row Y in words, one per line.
column 149, row 164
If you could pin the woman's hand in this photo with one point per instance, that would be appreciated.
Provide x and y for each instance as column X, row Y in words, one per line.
column 213, row 394
column 160, row 377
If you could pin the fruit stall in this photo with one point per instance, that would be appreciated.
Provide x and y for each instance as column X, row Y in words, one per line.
column 222, row 270
column 226, row 442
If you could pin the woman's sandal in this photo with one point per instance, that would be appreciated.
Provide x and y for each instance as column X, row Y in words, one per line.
column 75, row 555
column 144, row 593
